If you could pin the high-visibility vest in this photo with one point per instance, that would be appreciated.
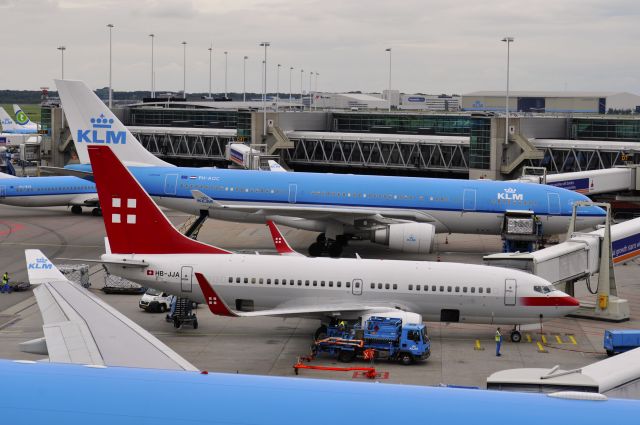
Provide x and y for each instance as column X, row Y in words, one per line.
column 5, row 279
column 498, row 336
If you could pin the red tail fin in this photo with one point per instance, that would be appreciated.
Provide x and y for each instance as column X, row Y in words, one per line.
column 282, row 246
column 134, row 223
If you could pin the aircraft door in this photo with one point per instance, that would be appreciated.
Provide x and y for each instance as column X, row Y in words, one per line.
column 3, row 192
column 356, row 287
column 186, row 278
column 554, row 203
column 469, row 200
column 293, row 192
column 170, row 184
column 510, row 291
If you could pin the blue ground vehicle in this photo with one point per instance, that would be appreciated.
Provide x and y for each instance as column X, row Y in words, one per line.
column 619, row 341
column 382, row 337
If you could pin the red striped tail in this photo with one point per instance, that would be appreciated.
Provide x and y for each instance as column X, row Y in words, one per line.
column 134, row 223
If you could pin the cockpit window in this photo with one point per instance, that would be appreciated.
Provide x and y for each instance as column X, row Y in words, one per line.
column 543, row 289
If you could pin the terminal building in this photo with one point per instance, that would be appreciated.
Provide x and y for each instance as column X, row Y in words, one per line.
column 552, row 102
column 446, row 144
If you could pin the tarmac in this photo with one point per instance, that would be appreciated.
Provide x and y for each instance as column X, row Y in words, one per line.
column 462, row 355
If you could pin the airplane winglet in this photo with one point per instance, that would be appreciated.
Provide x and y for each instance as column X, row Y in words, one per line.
column 205, row 200
column 214, row 302
column 40, row 269
column 281, row 244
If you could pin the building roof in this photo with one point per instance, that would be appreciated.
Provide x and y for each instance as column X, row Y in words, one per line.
column 363, row 97
column 500, row 93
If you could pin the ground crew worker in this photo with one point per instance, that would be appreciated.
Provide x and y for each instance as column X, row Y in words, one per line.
column 5, row 283
column 498, row 342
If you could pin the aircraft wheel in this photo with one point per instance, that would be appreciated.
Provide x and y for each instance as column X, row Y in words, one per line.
column 335, row 250
column 321, row 238
column 342, row 240
column 76, row 209
column 516, row 336
column 346, row 356
column 321, row 333
column 162, row 308
column 97, row 212
column 315, row 249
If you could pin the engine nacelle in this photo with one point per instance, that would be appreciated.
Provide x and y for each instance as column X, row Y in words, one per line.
column 407, row 237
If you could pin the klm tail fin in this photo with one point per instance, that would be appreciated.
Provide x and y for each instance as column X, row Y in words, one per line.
column 92, row 122
column 8, row 125
column 134, row 223
column 40, row 269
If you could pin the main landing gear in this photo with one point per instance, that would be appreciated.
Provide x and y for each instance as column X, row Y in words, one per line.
column 332, row 247
column 515, row 335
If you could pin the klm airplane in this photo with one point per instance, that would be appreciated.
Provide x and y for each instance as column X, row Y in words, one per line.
column 113, row 362
column 404, row 213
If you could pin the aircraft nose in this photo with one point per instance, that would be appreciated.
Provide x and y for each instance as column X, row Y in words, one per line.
column 568, row 301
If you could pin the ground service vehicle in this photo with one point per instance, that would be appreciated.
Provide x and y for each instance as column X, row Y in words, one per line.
column 386, row 336
column 155, row 301
column 619, row 341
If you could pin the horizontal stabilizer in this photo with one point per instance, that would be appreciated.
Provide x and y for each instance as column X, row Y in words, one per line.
column 122, row 262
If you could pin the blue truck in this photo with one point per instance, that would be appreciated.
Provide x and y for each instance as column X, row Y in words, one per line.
column 619, row 341
column 377, row 337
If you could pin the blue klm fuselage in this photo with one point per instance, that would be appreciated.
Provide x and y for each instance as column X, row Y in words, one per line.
column 445, row 199
column 49, row 393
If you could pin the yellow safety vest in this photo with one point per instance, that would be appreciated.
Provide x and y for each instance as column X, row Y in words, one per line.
column 5, row 279
column 498, row 336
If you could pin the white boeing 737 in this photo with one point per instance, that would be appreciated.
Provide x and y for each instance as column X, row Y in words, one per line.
column 144, row 247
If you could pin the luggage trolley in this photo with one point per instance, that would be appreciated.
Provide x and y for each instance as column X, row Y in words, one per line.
column 181, row 313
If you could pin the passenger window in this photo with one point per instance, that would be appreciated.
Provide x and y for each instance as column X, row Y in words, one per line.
column 299, row 283
column 246, row 280
column 387, row 286
column 417, row 287
column 373, row 286
column 441, row 288
column 292, row 282
column 261, row 281
column 339, row 284
column 379, row 285
column 253, row 280
column 230, row 279
column 315, row 283
column 331, row 284
column 268, row 281
column 322, row 283
column 488, row 290
column 411, row 287
column 395, row 286
column 479, row 290
column 464, row 289
column 448, row 288
column 347, row 284
column 457, row 289
column 473, row 290
column 306, row 283
column 237, row 280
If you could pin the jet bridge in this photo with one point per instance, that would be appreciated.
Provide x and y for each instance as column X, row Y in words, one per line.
column 581, row 257
column 592, row 182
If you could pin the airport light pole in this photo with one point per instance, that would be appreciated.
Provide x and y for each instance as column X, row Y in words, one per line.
column 507, row 40
column 184, row 70
column 153, row 89
column 301, row 78
column 316, row 89
column 225, row 73
column 264, row 44
column 290, row 86
column 389, row 90
column 277, row 86
column 110, row 26
column 210, row 64
column 244, row 78
column 310, row 89
column 62, row 49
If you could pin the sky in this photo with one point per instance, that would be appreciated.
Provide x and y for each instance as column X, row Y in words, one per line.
column 438, row 46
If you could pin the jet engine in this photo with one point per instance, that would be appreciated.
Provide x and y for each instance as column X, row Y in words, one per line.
column 406, row 237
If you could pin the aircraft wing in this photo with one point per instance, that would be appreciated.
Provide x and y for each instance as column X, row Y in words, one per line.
column 81, row 328
column 218, row 307
column 346, row 214
column 59, row 171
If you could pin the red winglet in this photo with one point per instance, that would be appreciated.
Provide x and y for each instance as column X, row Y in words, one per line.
column 215, row 303
column 282, row 246
column 134, row 223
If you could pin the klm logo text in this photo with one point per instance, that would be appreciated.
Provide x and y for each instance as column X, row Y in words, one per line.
column 510, row 194
column 102, row 123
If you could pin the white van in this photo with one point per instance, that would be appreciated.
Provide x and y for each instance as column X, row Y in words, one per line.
column 155, row 301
